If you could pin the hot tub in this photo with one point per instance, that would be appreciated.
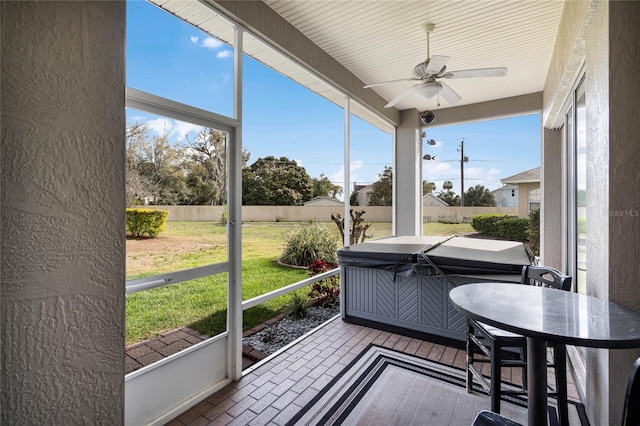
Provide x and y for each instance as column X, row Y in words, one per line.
column 403, row 283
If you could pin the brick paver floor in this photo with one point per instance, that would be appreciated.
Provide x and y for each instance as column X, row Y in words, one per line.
column 274, row 390
column 144, row 353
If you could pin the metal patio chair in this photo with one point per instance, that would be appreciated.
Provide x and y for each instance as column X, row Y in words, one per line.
column 630, row 411
column 500, row 348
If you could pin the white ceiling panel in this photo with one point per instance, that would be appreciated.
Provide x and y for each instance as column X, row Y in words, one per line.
column 383, row 40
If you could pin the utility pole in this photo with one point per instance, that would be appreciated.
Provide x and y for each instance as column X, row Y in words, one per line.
column 463, row 160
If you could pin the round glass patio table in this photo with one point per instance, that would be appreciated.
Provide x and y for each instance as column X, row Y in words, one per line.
column 542, row 314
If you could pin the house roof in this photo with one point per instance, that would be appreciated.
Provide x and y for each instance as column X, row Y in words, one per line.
column 435, row 199
column 359, row 188
column 529, row 176
column 507, row 186
column 323, row 200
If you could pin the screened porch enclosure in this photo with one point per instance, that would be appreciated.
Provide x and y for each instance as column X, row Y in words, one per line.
column 63, row 162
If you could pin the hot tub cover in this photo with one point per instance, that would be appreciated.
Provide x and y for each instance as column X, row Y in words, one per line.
column 449, row 255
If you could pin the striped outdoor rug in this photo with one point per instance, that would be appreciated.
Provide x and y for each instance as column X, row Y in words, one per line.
column 386, row 387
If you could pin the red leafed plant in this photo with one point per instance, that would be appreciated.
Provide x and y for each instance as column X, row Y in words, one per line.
column 328, row 290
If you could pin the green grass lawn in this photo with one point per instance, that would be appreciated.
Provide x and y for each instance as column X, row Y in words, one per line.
column 201, row 304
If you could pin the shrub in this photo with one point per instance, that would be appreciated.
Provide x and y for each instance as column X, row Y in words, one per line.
column 298, row 305
column 513, row 228
column 308, row 244
column 224, row 217
column 534, row 232
column 486, row 223
column 141, row 222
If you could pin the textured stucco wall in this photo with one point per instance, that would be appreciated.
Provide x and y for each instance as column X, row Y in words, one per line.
column 599, row 392
column 603, row 36
column 622, row 186
column 62, row 207
column 567, row 59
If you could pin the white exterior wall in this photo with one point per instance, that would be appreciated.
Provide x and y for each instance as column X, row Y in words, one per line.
column 603, row 35
column 63, row 262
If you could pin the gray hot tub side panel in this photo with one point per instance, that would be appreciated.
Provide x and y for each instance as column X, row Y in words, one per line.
column 379, row 282
column 415, row 302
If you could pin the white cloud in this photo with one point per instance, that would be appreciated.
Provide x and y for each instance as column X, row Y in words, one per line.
column 338, row 176
column 175, row 129
column 183, row 128
column 161, row 125
column 298, row 162
column 224, row 54
column 194, row 39
column 211, row 43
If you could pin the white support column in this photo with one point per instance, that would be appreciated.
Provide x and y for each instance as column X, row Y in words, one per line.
column 234, row 226
column 347, row 169
column 407, row 172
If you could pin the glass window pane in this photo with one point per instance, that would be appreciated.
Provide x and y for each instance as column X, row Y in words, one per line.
column 581, row 190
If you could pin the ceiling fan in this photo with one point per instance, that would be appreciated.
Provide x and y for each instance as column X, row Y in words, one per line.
column 433, row 69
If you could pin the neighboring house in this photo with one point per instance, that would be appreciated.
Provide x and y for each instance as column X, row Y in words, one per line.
column 324, row 200
column 364, row 193
column 528, row 184
column 506, row 196
column 431, row 200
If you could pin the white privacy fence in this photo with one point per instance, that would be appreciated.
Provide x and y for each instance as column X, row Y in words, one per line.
column 322, row 213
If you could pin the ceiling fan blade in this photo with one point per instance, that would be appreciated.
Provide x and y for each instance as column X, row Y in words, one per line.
column 395, row 100
column 448, row 94
column 436, row 63
column 480, row 72
column 389, row 82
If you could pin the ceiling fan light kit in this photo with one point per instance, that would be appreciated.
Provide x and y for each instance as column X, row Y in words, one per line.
column 433, row 68
column 428, row 90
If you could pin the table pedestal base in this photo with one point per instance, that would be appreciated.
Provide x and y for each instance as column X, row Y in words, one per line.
column 537, row 381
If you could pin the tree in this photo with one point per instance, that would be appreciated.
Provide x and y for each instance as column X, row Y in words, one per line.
column 382, row 194
column 353, row 198
column 358, row 232
column 154, row 174
column 427, row 187
column 137, row 187
column 323, row 187
column 276, row 182
column 206, row 166
column 160, row 165
column 479, row 195
column 449, row 197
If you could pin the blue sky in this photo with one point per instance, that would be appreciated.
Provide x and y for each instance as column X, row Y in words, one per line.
column 281, row 118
